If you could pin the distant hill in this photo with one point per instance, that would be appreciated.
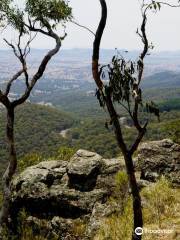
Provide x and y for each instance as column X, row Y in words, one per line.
column 165, row 79
column 67, row 60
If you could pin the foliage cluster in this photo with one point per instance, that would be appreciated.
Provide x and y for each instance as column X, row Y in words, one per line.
column 56, row 10
column 45, row 13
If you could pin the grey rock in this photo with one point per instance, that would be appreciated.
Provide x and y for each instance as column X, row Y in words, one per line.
column 159, row 158
column 83, row 170
column 64, row 192
column 143, row 183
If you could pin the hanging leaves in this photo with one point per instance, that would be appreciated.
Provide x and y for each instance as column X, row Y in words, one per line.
column 100, row 98
column 155, row 5
column 48, row 10
column 152, row 108
column 121, row 78
column 123, row 86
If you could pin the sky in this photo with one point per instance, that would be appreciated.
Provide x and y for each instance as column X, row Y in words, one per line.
column 124, row 17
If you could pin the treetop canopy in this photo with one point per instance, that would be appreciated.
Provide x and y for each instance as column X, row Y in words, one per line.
column 45, row 13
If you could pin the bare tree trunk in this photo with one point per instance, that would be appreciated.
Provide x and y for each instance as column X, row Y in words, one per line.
column 137, row 207
column 8, row 175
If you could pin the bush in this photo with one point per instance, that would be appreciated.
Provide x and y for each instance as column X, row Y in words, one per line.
column 29, row 160
column 65, row 153
column 121, row 192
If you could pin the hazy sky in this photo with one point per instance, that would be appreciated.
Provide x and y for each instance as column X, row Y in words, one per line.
column 123, row 19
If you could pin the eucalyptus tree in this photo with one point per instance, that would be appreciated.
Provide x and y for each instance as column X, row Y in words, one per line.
column 35, row 17
column 124, row 88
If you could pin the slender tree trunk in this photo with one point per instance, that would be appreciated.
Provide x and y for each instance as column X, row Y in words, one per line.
column 8, row 175
column 137, row 207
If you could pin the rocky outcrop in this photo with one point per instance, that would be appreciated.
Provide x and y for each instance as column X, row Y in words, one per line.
column 159, row 158
column 72, row 196
column 66, row 193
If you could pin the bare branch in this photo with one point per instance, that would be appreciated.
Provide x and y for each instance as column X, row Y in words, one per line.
column 138, row 139
column 33, row 29
column 140, row 64
column 4, row 99
column 22, row 58
column 145, row 48
column 15, row 77
column 148, row 6
column 27, row 47
column 41, row 69
column 96, row 46
column 169, row 5
column 13, row 48
column 86, row 28
column 128, row 109
column 21, row 55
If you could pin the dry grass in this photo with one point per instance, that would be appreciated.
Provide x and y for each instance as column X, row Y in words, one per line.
column 161, row 211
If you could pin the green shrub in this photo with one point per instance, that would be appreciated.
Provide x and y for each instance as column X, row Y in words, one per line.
column 65, row 153
column 29, row 160
column 121, row 192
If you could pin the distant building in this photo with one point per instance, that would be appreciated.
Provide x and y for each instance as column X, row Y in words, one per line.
column 48, row 104
column 91, row 93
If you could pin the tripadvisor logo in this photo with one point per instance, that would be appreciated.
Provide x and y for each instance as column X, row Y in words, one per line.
column 138, row 231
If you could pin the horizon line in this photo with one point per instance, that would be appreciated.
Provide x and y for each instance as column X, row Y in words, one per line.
column 88, row 48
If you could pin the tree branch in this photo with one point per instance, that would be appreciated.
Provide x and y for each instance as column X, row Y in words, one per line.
column 13, row 48
column 162, row 3
column 15, row 77
column 138, row 139
column 22, row 58
column 4, row 100
column 140, row 64
column 96, row 45
column 96, row 75
column 33, row 29
column 82, row 26
column 41, row 69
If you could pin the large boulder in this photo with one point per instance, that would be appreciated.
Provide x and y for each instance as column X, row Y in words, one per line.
column 157, row 158
column 66, row 193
